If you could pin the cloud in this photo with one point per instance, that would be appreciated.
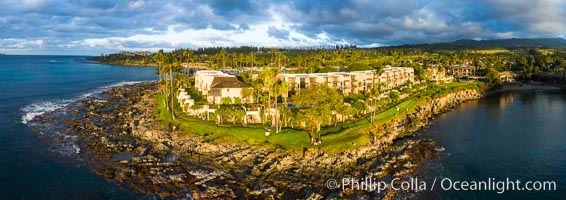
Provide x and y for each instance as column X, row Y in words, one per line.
column 20, row 45
column 108, row 25
column 278, row 33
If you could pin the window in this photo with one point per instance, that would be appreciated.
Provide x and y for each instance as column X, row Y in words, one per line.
column 215, row 92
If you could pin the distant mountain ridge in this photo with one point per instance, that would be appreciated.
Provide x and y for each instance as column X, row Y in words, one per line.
column 514, row 43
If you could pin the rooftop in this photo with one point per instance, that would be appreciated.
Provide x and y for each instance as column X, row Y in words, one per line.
column 388, row 69
column 227, row 82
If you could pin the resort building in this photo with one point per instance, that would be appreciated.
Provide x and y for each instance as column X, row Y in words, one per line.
column 395, row 76
column 438, row 74
column 231, row 87
column 184, row 100
column 508, row 76
column 351, row 82
column 463, row 71
column 204, row 78
column 216, row 85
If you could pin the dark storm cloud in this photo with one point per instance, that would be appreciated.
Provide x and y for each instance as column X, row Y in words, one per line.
column 234, row 9
column 278, row 33
column 74, row 19
column 71, row 20
column 416, row 21
column 65, row 23
column 386, row 22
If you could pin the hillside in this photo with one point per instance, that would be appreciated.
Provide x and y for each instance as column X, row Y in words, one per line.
column 515, row 43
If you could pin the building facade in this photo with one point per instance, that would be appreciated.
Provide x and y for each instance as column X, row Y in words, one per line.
column 230, row 87
column 351, row 82
column 216, row 85
column 463, row 71
column 204, row 78
column 438, row 74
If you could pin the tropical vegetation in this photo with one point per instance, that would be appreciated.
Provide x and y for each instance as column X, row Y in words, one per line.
column 320, row 113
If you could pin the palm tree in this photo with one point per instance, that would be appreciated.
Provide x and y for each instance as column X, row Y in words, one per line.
column 158, row 57
column 222, row 55
column 280, row 89
column 189, row 55
column 373, row 98
column 273, row 52
column 241, row 115
column 161, row 58
column 169, row 61
column 220, row 113
column 285, row 113
column 241, row 60
column 285, row 87
column 246, row 93
column 267, row 76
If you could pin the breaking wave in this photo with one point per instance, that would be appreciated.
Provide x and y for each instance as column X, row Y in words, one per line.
column 33, row 110
column 100, row 89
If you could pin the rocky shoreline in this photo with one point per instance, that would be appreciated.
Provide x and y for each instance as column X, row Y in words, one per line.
column 119, row 137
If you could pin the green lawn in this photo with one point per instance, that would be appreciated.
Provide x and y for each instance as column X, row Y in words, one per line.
column 287, row 139
column 406, row 106
column 344, row 136
column 349, row 138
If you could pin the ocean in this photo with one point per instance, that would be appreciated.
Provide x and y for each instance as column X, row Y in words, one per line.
column 31, row 85
column 513, row 135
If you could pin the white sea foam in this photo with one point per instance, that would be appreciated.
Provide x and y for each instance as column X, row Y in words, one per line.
column 123, row 83
column 35, row 109
column 100, row 89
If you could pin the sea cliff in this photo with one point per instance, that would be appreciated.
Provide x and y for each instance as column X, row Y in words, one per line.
column 427, row 108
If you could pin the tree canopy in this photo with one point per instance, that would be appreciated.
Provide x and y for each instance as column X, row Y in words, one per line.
column 317, row 106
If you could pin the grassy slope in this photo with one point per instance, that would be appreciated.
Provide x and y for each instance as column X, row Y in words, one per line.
column 356, row 135
column 254, row 134
column 345, row 136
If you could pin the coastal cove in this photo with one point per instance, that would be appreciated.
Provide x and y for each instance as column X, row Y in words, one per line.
column 517, row 135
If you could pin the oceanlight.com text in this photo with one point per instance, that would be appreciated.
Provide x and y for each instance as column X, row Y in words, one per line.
column 499, row 186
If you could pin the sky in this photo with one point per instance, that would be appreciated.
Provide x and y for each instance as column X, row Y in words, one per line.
column 92, row 27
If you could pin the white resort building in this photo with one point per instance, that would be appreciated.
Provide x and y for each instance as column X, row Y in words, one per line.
column 351, row 82
column 463, row 71
column 216, row 85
